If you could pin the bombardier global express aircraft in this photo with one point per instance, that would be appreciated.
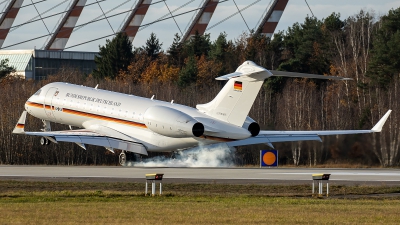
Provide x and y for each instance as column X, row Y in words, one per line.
column 141, row 125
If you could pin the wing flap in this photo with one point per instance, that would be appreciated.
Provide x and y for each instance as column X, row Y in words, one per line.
column 267, row 139
column 92, row 138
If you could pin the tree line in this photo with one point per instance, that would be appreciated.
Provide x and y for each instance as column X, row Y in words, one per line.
column 363, row 47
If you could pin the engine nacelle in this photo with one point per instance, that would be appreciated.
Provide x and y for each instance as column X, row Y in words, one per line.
column 251, row 126
column 172, row 123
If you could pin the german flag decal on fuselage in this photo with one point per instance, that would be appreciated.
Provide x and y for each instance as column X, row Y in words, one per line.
column 237, row 86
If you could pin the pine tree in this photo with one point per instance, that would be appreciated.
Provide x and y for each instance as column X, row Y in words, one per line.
column 5, row 69
column 175, row 54
column 198, row 45
column 115, row 56
column 188, row 74
column 218, row 48
column 384, row 64
column 153, row 46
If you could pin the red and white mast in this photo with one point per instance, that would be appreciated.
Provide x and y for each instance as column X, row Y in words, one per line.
column 7, row 19
column 132, row 24
column 271, row 19
column 64, row 30
column 201, row 20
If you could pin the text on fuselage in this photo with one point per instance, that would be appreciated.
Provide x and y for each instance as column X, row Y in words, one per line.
column 92, row 99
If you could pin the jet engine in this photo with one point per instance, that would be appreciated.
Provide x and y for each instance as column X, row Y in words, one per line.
column 251, row 126
column 172, row 123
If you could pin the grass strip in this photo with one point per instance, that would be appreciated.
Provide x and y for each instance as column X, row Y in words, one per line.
column 27, row 202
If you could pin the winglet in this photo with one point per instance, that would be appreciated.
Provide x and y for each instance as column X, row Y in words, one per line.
column 381, row 122
column 19, row 128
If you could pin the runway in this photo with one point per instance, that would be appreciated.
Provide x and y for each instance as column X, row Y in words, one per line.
column 200, row 175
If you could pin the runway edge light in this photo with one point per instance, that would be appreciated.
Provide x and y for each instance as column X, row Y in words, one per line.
column 269, row 158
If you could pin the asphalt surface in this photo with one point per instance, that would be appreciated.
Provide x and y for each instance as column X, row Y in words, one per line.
column 389, row 177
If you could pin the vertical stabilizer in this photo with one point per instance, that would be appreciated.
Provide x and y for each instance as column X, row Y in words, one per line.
column 234, row 101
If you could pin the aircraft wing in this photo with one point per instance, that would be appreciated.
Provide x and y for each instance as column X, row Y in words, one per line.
column 86, row 136
column 268, row 137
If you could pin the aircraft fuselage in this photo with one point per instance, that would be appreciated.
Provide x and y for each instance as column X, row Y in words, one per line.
column 163, row 130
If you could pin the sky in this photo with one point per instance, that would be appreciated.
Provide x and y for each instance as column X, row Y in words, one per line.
column 296, row 11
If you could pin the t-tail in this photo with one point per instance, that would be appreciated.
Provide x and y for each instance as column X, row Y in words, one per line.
column 234, row 101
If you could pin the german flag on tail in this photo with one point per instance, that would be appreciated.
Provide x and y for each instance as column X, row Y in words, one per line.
column 237, row 86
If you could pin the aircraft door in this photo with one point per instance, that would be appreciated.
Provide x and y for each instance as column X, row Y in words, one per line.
column 48, row 105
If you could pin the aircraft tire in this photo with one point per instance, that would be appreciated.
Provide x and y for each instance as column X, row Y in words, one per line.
column 122, row 159
column 43, row 141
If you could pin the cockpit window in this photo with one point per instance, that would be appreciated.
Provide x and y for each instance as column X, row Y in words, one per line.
column 38, row 92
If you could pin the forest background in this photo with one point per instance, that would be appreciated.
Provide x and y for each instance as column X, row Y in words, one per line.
column 362, row 47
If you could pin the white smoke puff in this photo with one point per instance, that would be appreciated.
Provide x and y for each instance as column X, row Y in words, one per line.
column 203, row 156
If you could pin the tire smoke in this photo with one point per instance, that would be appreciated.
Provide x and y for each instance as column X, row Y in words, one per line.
column 202, row 156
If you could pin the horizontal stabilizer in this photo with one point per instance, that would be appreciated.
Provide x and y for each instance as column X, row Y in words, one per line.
column 229, row 76
column 234, row 101
column 305, row 75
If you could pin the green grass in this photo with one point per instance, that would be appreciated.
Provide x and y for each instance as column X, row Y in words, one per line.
column 125, row 203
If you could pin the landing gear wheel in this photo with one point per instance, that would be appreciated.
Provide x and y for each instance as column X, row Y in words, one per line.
column 122, row 159
column 43, row 141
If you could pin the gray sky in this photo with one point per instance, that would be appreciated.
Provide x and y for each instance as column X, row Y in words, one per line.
column 295, row 11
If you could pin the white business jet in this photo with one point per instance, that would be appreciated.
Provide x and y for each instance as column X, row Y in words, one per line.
column 142, row 125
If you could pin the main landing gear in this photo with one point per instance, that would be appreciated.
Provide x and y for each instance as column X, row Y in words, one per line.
column 44, row 141
column 46, row 127
column 128, row 158
column 122, row 158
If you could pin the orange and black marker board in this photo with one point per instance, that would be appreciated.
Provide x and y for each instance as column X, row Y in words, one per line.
column 269, row 158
